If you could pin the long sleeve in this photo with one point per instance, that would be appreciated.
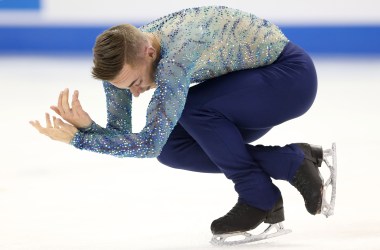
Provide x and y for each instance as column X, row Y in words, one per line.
column 119, row 108
column 163, row 112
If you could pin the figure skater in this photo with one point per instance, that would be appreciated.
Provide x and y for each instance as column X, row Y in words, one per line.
column 246, row 78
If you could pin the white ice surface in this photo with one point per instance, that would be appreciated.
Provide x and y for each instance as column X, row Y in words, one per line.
column 53, row 196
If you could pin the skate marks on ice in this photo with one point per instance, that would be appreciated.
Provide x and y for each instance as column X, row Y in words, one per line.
column 273, row 230
column 328, row 205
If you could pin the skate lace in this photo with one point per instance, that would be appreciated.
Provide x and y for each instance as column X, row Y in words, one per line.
column 237, row 210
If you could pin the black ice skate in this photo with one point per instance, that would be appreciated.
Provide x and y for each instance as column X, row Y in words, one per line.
column 242, row 218
column 309, row 181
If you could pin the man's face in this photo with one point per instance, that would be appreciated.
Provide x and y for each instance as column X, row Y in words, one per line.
column 137, row 79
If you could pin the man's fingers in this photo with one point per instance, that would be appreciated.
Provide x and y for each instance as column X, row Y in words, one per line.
column 55, row 122
column 59, row 104
column 75, row 95
column 48, row 122
column 59, row 123
column 36, row 124
column 55, row 109
column 65, row 127
column 65, row 101
column 61, row 131
column 75, row 103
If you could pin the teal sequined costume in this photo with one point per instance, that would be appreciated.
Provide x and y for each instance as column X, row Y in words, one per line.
column 196, row 44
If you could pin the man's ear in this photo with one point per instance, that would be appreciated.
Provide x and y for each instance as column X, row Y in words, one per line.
column 151, row 51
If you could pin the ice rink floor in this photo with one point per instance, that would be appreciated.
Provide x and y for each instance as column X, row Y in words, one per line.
column 53, row 196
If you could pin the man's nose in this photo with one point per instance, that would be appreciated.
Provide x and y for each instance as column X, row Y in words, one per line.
column 134, row 91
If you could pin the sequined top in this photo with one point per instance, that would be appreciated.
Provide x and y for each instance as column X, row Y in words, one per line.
column 196, row 44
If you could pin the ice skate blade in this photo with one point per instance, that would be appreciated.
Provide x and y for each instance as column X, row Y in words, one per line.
column 328, row 205
column 222, row 239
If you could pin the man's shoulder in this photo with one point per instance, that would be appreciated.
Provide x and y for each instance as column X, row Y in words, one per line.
column 194, row 12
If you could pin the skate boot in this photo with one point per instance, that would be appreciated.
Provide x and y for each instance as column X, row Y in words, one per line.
column 242, row 218
column 308, row 180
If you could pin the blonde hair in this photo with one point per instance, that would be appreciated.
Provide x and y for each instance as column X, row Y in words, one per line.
column 115, row 47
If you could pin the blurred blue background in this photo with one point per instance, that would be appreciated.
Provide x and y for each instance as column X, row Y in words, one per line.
column 70, row 27
column 56, row 197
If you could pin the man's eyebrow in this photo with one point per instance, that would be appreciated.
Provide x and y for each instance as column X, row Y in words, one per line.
column 130, row 85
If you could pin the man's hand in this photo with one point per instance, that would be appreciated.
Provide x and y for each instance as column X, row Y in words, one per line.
column 74, row 114
column 58, row 130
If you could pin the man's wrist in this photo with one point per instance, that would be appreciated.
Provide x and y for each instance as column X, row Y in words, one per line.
column 87, row 129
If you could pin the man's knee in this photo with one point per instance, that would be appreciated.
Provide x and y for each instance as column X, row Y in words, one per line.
column 163, row 159
column 168, row 158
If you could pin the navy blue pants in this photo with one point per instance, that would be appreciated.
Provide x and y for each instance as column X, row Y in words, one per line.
column 224, row 114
